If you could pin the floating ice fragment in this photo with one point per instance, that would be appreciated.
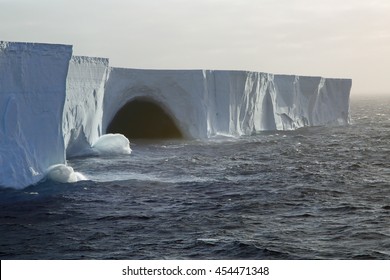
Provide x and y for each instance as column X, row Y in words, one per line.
column 112, row 144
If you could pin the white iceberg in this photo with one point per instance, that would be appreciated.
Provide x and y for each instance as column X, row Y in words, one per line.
column 83, row 108
column 204, row 103
column 53, row 105
column 111, row 144
column 32, row 97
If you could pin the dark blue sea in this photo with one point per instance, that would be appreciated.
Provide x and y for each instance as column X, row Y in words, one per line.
column 313, row 193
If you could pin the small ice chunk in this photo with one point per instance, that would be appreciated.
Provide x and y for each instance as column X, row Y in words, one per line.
column 112, row 144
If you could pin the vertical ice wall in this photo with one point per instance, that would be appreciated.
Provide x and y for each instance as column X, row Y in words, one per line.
column 32, row 96
column 83, row 111
column 177, row 92
column 48, row 105
column 243, row 103
column 207, row 103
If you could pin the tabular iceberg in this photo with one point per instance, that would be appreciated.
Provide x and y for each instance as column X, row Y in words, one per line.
column 205, row 103
column 32, row 97
column 53, row 104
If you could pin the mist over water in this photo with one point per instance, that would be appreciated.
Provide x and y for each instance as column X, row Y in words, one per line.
column 313, row 193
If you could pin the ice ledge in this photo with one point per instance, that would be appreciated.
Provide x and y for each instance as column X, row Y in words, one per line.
column 34, row 48
column 90, row 60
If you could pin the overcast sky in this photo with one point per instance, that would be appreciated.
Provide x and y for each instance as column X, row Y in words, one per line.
column 331, row 38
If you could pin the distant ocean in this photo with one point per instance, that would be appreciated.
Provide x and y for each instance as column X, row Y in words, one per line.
column 313, row 193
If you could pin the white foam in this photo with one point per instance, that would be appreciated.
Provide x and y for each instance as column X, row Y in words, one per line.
column 112, row 144
column 64, row 174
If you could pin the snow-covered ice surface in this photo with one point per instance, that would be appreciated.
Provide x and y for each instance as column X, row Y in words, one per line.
column 52, row 104
column 32, row 96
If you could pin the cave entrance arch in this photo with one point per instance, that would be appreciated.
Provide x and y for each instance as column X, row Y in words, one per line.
column 144, row 119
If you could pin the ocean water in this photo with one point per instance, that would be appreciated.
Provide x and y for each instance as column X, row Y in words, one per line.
column 313, row 193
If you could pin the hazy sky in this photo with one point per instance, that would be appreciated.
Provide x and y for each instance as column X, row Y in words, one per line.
column 331, row 38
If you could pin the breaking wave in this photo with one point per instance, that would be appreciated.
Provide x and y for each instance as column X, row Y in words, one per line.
column 64, row 174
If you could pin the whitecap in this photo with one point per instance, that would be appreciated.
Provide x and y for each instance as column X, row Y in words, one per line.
column 63, row 174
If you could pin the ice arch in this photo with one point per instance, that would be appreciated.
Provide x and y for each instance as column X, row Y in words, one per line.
column 177, row 93
column 144, row 119
column 206, row 103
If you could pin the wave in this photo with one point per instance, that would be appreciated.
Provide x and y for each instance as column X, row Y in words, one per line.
column 64, row 174
column 106, row 145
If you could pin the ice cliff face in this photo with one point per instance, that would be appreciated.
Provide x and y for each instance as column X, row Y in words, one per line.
column 32, row 96
column 52, row 103
column 209, row 103
column 83, row 110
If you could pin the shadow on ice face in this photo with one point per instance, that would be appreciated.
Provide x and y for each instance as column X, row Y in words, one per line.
column 144, row 119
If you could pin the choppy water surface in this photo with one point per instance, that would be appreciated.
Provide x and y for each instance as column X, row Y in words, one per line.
column 314, row 193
